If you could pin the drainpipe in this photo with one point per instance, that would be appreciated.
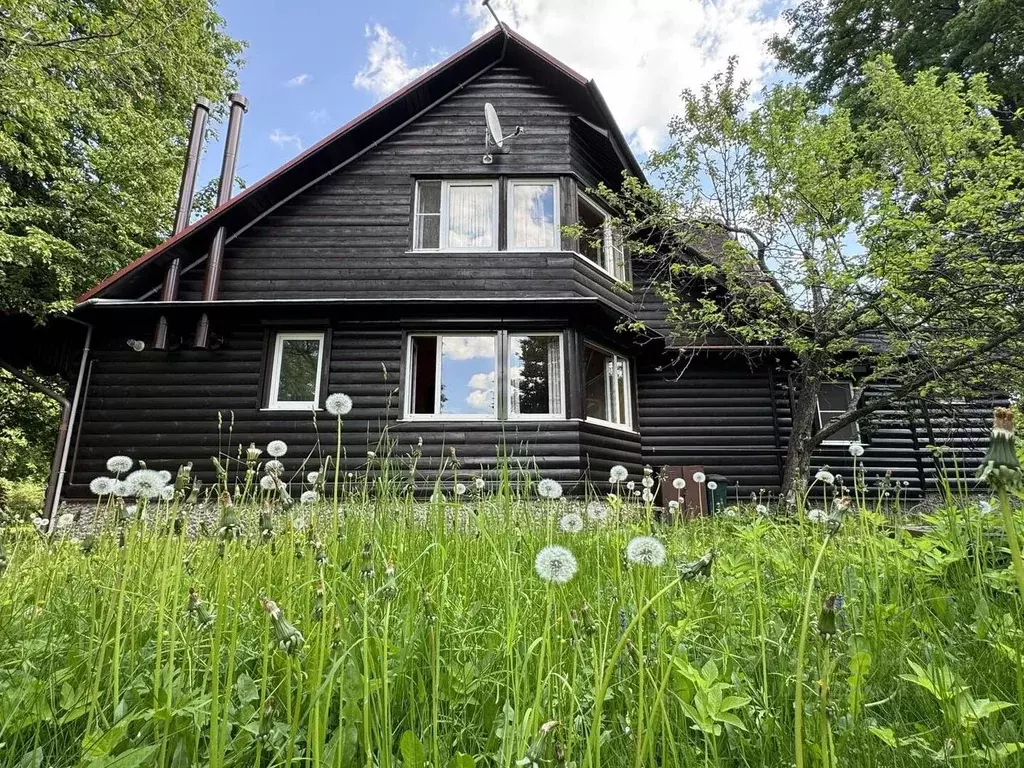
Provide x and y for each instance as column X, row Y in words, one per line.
column 68, row 414
column 183, row 211
column 215, row 260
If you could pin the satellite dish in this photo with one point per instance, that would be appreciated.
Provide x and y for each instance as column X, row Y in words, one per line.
column 493, row 124
column 494, row 134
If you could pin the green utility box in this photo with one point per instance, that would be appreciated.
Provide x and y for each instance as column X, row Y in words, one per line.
column 718, row 497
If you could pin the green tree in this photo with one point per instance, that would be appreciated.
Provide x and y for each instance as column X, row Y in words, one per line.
column 829, row 41
column 887, row 252
column 94, row 105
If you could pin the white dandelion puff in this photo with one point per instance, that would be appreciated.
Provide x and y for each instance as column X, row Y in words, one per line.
column 597, row 511
column 630, row 485
column 277, row 448
column 673, row 506
column 144, row 484
column 103, row 486
column 985, row 507
column 856, row 450
column 460, row 489
column 119, row 464
column 647, row 482
column 269, row 483
column 549, row 489
column 308, row 497
column 679, row 483
column 699, row 477
column 646, row 550
column 65, row 521
column 762, row 509
column 647, row 496
column 555, row 564
column 167, row 493
column 479, row 484
column 274, row 467
column 165, row 476
column 817, row 516
column 824, row 476
column 618, row 474
column 338, row 404
column 571, row 522
column 312, row 477
column 41, row 522
column 712, row 485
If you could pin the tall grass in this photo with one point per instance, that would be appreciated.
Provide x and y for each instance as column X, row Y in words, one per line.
column 409, row 634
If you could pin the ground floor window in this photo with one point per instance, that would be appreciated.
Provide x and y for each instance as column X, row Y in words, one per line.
column 607, row 390
column 295, row 372
column 484, row 376
column 835, row 399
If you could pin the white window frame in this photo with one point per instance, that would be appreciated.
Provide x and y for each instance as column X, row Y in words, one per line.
column 280, row 338
column 821, row 420
column 409, row 415
column 443, row 225
column 608, row 247
column 612, row 396
column 510, row 210
column 560, row 415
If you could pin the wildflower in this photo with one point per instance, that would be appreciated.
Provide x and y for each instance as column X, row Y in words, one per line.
column 309, row 497
column 252, row 455
column 289, row 639
column 618, row 474
column 856, row 450
column 42, row 523
column 646, row 550
column 597, row 511
column 65, row 521
column 647, row 496
column 121, row 488
column 630, row 485
column 144, row 484
column 269, row 482
column 167, row 493
column 1001, row 468
column 165, row 476
column 824, row 476
column 119, row 464
column 985, row 507
column 479, row 484
column 535, row 753
column 761, row 509
column 712, row 485
column 699, row 477
column 647, row 482
column 571, row 522
column 338, row 404
column 549, row 489
column 555, row 564
column 229, row 527
column 103, row 486
column 198, row 611
column 679, row 483
column 460, row 489
column 699, row 568
column 277, row 448
column 817, row 516
column 312, row 477
column 274, row 467
column 389, row 590
column 827, row 619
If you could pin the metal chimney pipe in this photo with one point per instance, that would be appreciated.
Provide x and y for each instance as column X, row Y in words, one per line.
column 183, row 211
column 215, row 259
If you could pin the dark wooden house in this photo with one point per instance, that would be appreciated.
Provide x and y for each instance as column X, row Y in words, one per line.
column 391, row 263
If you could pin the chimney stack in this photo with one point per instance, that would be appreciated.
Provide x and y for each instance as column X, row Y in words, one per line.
column 183, row 211
column 215, row 259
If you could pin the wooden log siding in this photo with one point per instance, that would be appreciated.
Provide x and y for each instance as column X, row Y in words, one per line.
column 162, row 408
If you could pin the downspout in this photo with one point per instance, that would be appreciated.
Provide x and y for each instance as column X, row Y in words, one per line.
column 182, row 212
column 60, row 455
column 215, row 262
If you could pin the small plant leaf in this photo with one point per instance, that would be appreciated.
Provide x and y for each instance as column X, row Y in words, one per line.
column 413, row 754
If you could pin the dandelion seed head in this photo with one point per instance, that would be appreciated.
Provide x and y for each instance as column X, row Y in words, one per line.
column 549, row 489
column 712, row 485
column 338, row 404
column 817, row 516
column 144, row 484
column 618, row 474
column 268, row 482
column 65, row 521
column 167, row 493
column 277, row 448
column 460, row 489
column 647, row 482
column 41, row 522
column 824, row 476
column 119, row 464
column 165, row 476
column 555, row 564
column 761, row 509
column 647, row 496
column 371, row 455
column 856, row 450
column 646, row 550
column 312, row 477
column 308, row 497
column 699, row 477
column 673, row 505
column 679, row 483
column 479, row 484
column 630, row 485
column 985, row 507
column 274, row 467
column 571, row 522
column 103, row 486
column 597, row 511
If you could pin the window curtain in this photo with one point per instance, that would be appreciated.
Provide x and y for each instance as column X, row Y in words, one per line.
column 471, row 216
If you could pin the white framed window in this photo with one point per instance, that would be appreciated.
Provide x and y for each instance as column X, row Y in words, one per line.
column 834, row 399
column 607, row 389
column 601, row 243
column 533, row 215
column 296, row 371
column 452, row 376
column 455, row 215
column 536, row 376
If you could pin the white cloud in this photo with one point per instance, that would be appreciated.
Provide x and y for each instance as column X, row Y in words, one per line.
column 318, row 116
column 283, row 140
column 482, row 381
column 467, row 347
column 644, row 54
column 387, row 67
column 298, row 80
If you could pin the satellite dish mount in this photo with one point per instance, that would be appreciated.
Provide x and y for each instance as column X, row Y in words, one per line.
column 493, row 134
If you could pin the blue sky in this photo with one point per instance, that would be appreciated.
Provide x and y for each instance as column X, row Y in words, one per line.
column 312, row 65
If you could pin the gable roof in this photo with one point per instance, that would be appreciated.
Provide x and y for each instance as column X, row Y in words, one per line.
column 363, row 133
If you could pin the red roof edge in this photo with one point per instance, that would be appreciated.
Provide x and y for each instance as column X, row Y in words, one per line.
column 219, row 211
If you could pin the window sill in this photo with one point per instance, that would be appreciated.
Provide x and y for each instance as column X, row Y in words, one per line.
column 599, row 268
column 610, row 425
column 279, row 409
column 838, row 443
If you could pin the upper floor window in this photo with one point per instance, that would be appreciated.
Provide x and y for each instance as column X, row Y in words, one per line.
column 533, row 215
column 607, row 389
column 835, row 399
column 296, row 370
column 601, row 243
column 456, row 215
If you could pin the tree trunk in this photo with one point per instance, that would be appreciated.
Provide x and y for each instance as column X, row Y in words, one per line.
column 797, row 467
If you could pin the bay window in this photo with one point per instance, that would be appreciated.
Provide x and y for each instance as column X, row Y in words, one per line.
column 601, row 243
column 533, row 215
column 834, row 399
column 607, row 391
column 296, row 371
column 456, row 215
